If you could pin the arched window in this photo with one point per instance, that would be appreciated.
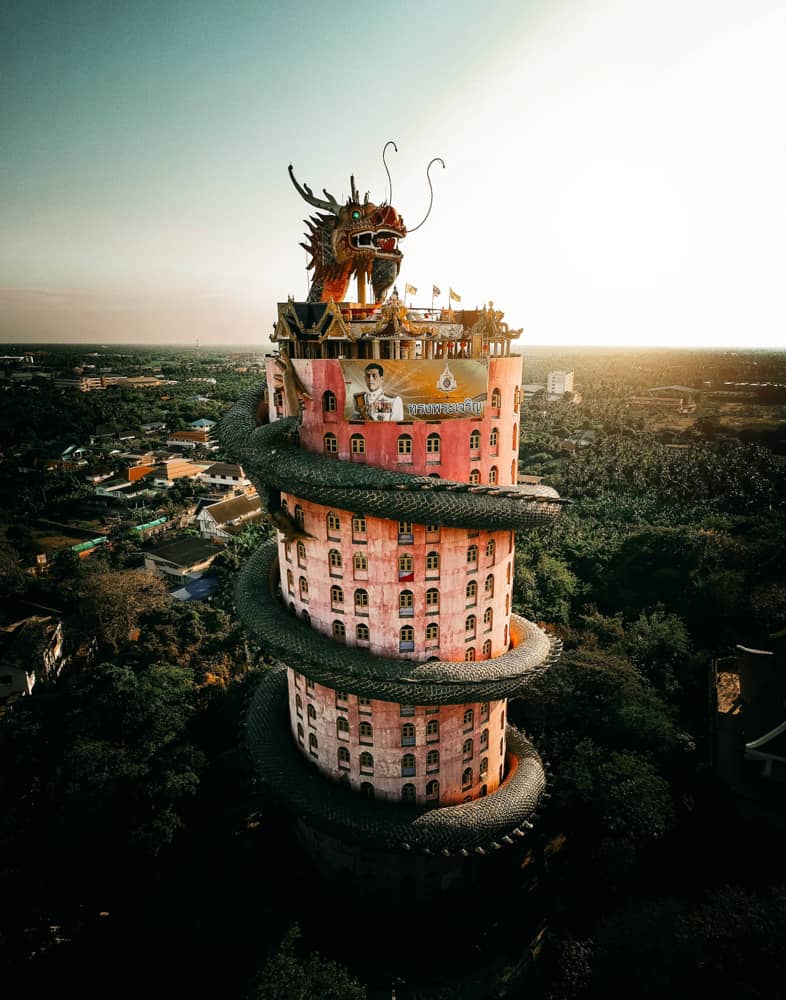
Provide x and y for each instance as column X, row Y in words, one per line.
column 334, row 561
column 408, row 765
column 494, row 438
column 360, row 562
column 300, row 733
column 342, row 726
column 362, row 633
column 432, row 790
column 484, row 790
column 303, row 584
column 361, row 602
column 301, row 553
column 432, row 563
column 502, row 720
column 507, row 604
column 357, row 444
column 505, row 638
column 469, row 718
column 493, row 475
column 408, row 735
column 405, row 445
column 406, row 639
column 306, row 617
column 343, row 757
column 405, row 565
column 366, row 790
column 408, row 792
column 484, row 766
column 513, row 472
column 474, row 478
column 487, row 649
column 474, row 440
column 312, row 715
column 432, row 760
column 467, row 749
column 300, row 517
column 432, row 599
column 507, row 573
column 469, row 654
column 298, row 704
column 472, row 592
column 489, row 585
column 330, row 444
column 433, row 444
column 366, row 731
column 466, row 777
column 432, row 730
column 406, row 604
column 484, row 711
column 313, row 743
column 488, row 619
column 336, row 595
column 516, row 399
column 472, row 556
column 484, row 739
column 333, row 524
column 358, row 525
column 290, row 582
column 329, row 402
column 339, row 631
column 285, row 505
column 470, row 625
column 515, row 436
column 496, row 399
column 491, row 549
column 432, row 632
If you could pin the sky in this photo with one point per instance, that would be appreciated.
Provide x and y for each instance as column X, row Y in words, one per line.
column 615, row 169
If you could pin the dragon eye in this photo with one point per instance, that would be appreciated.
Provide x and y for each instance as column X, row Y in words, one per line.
column 356, row 214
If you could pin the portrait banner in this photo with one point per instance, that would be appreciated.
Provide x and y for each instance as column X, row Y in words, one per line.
column 439, row 389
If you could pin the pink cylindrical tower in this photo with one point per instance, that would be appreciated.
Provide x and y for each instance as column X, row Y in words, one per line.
column 386, row 449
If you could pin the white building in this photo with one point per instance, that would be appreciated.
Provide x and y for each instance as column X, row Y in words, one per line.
column 558, row 384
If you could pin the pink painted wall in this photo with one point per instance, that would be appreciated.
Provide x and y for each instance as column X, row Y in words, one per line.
column 477, row 744
column 314, row 562
column 374, row 620
column 456, row 459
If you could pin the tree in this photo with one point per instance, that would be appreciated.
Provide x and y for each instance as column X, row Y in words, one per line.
column 114, row 601
column 286, row 976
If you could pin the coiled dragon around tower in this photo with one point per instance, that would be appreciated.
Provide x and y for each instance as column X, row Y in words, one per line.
column 265, row 432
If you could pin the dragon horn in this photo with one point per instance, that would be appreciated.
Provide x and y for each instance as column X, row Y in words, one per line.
column 355, row 196
column 305, row 192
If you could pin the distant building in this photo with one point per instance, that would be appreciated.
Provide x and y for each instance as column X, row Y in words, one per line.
column 202, row 424
column 558, row 383
column 189, row 439
column 180, row 560
column 225, row 474
column 531, row 389
column 31, row 652
column 228, row 517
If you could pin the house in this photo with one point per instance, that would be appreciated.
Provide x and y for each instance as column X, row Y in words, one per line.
column 180, row 559
column 229, row 517
column 166, row 472
column 202, row 424
column 158, row 426
column 225, row 474
column 189, row 439
column 31, row 652
column 558, row 384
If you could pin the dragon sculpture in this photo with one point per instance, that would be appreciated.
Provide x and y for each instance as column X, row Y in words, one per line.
column 358, row 238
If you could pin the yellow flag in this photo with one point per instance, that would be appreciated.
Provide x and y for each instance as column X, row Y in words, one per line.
column 410, row 290
column 454, row 296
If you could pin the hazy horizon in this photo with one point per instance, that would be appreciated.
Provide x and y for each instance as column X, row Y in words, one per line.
column 614, row 171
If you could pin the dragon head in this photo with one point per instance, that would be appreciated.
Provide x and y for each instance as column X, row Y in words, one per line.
column 358, row 237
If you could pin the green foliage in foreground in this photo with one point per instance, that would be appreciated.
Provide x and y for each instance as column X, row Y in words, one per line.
column 288, row 976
